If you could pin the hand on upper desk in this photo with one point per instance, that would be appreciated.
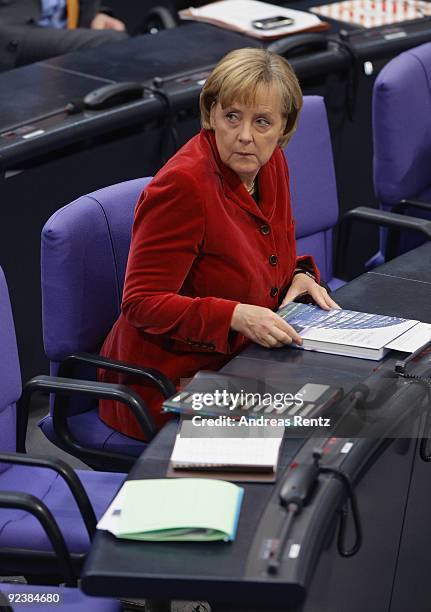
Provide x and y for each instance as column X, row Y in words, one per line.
column 263, row 326
column 303, row 284
column 105, row 22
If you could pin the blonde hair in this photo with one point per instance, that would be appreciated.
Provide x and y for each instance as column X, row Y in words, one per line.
column 239, row 77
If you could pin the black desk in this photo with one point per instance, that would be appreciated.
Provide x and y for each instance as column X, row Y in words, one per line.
column 229, row 575
column 192, row 49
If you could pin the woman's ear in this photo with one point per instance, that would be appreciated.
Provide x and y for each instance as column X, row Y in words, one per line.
column 285, row 128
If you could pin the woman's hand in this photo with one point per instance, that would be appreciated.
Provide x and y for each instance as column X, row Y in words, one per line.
column 263, row 326
column 302, row 284
column 105, row 22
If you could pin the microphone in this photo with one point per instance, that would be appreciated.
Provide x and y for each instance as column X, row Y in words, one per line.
column 373, row 396
column 101, row 98
column 298, row 485
column 71, row 108
column 294, row 493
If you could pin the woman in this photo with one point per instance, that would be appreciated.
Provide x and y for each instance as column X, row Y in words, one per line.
column 213, row 244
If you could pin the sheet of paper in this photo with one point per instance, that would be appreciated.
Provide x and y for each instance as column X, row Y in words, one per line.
column 367, row 337
column 412, row 339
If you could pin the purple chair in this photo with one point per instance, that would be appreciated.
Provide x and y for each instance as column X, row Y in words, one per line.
column 84, row 254
column 313, row 187
column 402, row 140
column 314, row 196
column 48, row 511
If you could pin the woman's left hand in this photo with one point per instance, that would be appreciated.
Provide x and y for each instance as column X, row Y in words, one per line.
column 303, row 284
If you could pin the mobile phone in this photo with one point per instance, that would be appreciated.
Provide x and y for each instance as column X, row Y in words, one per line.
column 270, row 23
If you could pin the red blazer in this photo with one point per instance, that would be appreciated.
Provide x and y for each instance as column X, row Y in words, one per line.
column 200, row 245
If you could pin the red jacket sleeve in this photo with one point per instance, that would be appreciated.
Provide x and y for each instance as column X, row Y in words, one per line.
column 168, row 232
column 309, row 261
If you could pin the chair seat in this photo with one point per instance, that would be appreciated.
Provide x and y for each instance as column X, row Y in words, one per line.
column 70, row 600
column 92, row 431
column 19, row 529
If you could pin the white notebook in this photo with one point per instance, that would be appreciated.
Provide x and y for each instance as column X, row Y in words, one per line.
column 259, row 454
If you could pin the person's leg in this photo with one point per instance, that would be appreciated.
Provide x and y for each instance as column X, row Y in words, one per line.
column 20, row 45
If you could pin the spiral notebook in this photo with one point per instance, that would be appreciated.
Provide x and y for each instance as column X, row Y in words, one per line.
column 251, row 456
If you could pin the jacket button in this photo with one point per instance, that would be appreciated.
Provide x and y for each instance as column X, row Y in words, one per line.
column 274, row 291
column 273, row 259
column 265, row 230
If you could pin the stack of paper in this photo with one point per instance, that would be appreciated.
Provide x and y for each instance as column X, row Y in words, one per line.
column 162, row 510
column 354, row 334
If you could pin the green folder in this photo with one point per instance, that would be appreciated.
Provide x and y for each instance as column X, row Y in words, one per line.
column 167, row 509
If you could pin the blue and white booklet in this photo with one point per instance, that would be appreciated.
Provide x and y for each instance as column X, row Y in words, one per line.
column 354, row 334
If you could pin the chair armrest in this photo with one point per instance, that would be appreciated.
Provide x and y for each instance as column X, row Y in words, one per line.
column 151, row 375
column 63, row 389
column 381, row 218
column 401, row 206
column 33, row 505
column 4, row 603
column 68, row 475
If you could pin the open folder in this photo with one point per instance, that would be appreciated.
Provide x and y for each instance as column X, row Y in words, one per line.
column 169, row 510
column 240, row 15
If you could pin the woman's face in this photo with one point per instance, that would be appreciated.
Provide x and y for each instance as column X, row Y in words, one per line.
column 246, row 136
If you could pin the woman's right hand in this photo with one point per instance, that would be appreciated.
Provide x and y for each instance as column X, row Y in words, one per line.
column 263, row 326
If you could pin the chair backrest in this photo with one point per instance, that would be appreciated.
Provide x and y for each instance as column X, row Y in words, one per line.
column 313, row 186
column 83, row 259
column 10, row 376
column 402, row 127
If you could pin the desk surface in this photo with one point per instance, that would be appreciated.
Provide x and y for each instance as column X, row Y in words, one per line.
column 163, row 54
column 401, row 287
column 190, row 48
column 50, row 85
column 190, row 571
column 47, row 86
